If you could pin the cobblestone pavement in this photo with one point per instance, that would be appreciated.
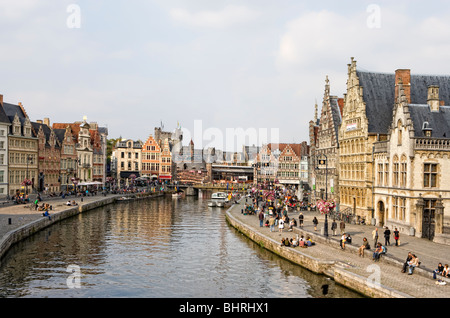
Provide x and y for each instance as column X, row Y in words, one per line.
column 417, row 285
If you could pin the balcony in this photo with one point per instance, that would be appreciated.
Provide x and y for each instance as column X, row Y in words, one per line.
column 432, row 144
column 380, row 146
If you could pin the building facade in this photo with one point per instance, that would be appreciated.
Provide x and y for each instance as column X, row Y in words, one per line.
column 22, row 151
column 325, row 158
column 411, row 189
column 49, row 158
column 5, row 125
column 368, row 104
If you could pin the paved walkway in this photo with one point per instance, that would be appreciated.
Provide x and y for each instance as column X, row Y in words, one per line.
column 420, row 284
column 14, row 216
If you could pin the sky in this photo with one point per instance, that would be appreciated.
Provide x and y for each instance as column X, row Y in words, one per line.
column 227, row 72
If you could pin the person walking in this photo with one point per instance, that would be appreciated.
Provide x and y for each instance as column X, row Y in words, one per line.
column 342, row 227
column 375, row 236
column 334, row 227
column 272, row 223
column 387, row 236
column 281, row 225
column 261, row 218
column 397, row 237
column 300, row 219
column 315, row 221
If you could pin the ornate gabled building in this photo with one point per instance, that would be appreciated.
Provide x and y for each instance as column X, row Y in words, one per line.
column 325, row 141
column 280, row 163
column 411, row 190
column 366, row 115
column 68, row 158
column 22, row 150
column 49, row 158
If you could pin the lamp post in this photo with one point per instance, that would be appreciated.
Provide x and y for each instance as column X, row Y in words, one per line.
column 324, row 162
column 29, row 159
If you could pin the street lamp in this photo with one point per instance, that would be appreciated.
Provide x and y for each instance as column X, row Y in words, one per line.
column 29, row 159
column 324, row 162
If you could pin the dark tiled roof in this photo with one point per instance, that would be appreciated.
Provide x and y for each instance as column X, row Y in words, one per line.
column 439, row 122
column 379, row 94
column 3, row 117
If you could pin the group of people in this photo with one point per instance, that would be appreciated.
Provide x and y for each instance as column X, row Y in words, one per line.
column 441, row 270
column 387, row 236
column 412, row 261
column 294, row 242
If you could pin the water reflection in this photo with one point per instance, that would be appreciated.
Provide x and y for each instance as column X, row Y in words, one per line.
column 154, row 248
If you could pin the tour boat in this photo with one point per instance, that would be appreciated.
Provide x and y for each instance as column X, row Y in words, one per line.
column 219, row 199
column 177, row 194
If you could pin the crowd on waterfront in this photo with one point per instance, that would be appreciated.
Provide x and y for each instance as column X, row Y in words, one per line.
column 272, row 206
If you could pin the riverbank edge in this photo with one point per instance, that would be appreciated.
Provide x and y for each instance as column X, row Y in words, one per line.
column 15, row 236
column 330, row 269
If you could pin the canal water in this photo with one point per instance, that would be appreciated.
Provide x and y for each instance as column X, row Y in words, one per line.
column 153, row 248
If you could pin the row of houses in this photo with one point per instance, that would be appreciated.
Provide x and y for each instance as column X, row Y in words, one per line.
column 382, row 150
column 163, row 157
column 36, row 156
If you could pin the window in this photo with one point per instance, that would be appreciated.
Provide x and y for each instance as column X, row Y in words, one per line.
column 429, row 175
column 386, row 174
column 395, row 172
column 399, row 139
column 380, row 174
column 395, row 208
column 403, row 173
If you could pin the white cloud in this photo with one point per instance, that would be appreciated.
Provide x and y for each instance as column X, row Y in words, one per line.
column 228, row 16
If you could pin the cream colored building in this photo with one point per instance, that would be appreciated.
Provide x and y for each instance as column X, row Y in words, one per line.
column 412, row 188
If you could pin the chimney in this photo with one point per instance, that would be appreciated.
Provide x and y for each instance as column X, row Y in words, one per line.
column 433, row 98
column 405, row 76
column 341, row 105
column 47, row 122
column 1, row 100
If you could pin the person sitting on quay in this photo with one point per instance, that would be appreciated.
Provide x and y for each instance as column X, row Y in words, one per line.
column 405, row 264
column 446, row 271
column 413, row 263
column 292, row 223
column 343, row 240
column 309, row 242
column 365, row 246
column 438, row 271
column 378, row 252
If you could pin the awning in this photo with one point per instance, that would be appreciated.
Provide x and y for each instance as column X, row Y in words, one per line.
column 89, row 183
column 165, row 177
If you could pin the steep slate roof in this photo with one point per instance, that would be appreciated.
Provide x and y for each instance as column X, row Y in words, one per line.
column 438, row 121
column 11, row 110
column 3, row 117
column 336, row 115
column 379, row 95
